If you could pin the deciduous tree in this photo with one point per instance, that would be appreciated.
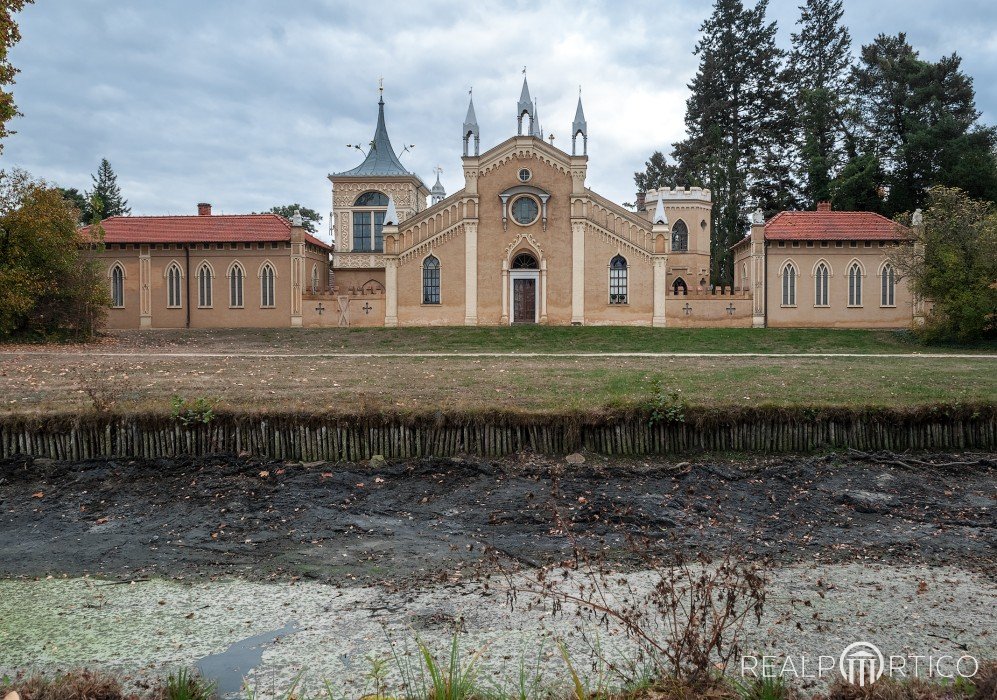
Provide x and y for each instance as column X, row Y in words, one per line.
column 48, row 286
column 10, row 34
column 954, row 266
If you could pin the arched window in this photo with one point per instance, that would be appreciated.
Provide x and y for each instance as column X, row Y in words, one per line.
column 618, row 280
column 236, row 279
column 888, row 287
column 204, row 286
column 524, row 261
column 371, row 199
column 368, row 225
column 855, row 285
column 431, row 280
column 174, row 277
column 679, row 284
column 789, row 285
column 821, row 275
column 267, row 276
column 117, row 286
column 315, row 277
column 680, row 237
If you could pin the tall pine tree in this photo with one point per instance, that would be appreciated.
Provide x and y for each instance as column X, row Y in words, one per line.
column 736, row 124
column 106, row 195
column 819, row 64
column 920, row 120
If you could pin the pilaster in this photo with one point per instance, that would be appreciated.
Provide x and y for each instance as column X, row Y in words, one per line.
column 471, row 273
column 577, row 272
column 660, row 287
column 144, row 287
column 759, row 284
column 390, row 291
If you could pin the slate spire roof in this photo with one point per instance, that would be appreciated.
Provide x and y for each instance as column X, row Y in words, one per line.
column 381, row 159
column 579, row 123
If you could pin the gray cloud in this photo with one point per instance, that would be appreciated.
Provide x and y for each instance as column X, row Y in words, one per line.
column 247, row 104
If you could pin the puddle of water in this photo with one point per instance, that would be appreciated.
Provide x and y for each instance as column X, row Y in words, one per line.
column 229, row 668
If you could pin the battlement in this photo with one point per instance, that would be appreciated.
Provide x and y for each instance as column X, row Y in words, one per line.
column 674, row 194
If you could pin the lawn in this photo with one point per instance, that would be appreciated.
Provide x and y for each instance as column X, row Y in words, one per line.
column 58, row 382
column 522, row 339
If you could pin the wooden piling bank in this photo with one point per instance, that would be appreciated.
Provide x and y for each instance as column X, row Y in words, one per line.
column 346, row 438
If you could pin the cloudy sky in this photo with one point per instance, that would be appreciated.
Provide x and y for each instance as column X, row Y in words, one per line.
column 250, row 103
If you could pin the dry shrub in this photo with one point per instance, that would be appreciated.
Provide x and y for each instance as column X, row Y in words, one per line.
column 686, row 620
column 104, row 386
column 80, row 684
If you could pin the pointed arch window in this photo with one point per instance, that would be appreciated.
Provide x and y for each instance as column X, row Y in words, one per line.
column 680, row 237
column 789, row 284
column 174, row 287
column 618, row 280
column 267, row 275
column 117, row 286
column 821, row 276
column 431, row 280
column 855, row 285
column 315, row 277
column 888, row 292
column 204, row 286
column 236, row 283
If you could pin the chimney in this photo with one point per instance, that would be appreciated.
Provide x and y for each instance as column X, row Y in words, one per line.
column 641, row 206
column 823, row 206
column 203, row 209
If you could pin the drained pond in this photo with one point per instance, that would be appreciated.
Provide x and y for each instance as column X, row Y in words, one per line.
column 269, row 572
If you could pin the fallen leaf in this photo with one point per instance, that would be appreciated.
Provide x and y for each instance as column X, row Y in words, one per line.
column 37, row 494
column 264, row 474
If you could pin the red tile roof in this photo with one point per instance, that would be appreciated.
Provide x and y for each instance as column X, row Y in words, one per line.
column 833, row 225
column 222, row 228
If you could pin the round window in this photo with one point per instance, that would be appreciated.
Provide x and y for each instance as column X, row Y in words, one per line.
column 525, row 175
column 525, row 211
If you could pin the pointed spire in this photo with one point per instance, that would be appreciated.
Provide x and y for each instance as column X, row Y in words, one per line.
column 470, row 127
column 526, row 107
column 438, row 193
column 381, row 158
column 391, row 216
column 659, row 213
column 537, row 129
column 580, row 126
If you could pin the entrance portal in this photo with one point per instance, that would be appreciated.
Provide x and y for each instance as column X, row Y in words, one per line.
column 524, row 300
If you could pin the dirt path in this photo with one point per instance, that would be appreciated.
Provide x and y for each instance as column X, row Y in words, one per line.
column 415, row 519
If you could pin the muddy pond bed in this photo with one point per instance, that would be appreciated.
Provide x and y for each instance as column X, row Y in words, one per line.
column 146, row 565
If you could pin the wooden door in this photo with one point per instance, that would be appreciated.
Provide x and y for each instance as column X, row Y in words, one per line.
column 524, row 301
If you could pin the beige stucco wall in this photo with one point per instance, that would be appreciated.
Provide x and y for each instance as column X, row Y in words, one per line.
column 220, row 260
column 837, row 314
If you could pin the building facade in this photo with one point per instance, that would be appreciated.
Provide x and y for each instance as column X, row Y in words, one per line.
column 524, row 241
column 210, row 271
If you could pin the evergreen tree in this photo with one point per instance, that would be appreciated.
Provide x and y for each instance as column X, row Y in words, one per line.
column 818, row 70
column 736, row 123
column 77, row 200
column 657, row 173
column 920, row 119
column 106, row 194
column 858, row 186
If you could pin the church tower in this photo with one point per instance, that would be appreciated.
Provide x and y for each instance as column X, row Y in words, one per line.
column 438, row 193
column 471, row 129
